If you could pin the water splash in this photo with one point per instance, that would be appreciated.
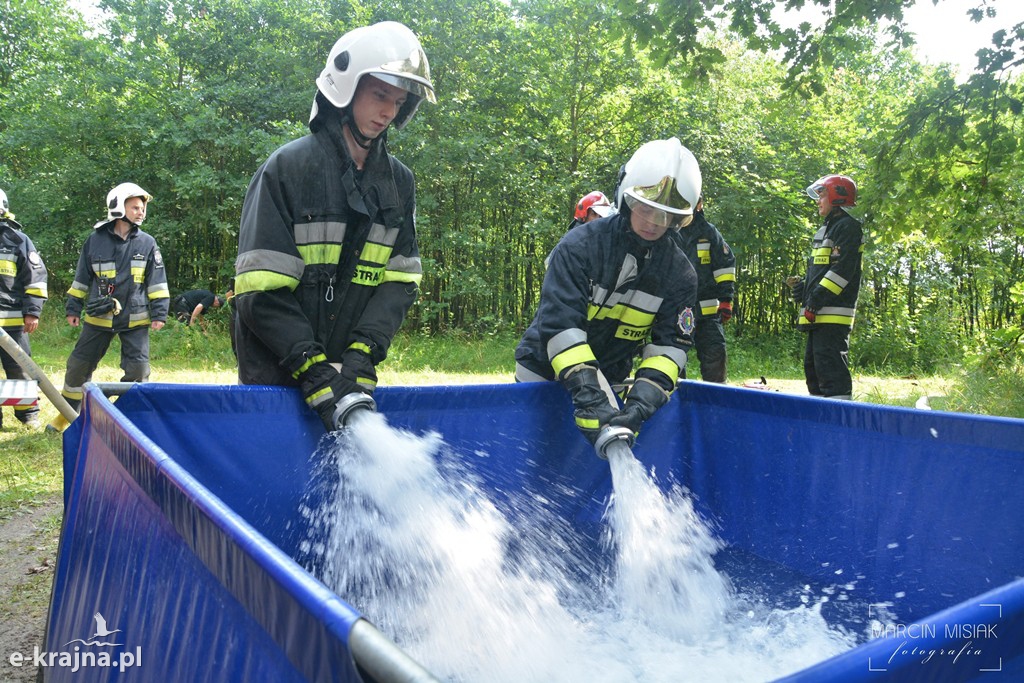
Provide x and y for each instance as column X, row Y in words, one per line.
column 404, row 532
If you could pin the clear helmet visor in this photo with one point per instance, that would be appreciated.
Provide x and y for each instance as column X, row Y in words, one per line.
column 663, row 195
column 411, row 74
column 657, row 215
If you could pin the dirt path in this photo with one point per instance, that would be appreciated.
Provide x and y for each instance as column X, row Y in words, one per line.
column 28, row 552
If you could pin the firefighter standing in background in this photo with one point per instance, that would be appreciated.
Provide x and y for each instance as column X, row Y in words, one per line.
column 616, row 288
column 828, row 291
column 591, row 206
column 120, row 288
column 22, row 293
column 715, row 264
column 328, row 263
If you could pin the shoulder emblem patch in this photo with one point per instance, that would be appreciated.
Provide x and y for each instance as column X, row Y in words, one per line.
column 686, row 321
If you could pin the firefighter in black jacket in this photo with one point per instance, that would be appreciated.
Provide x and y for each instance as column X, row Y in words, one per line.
column 828, row 291
column 617, row 287
column 328, row 263
column 120, row 288
column 22, row 293
column 715, row 264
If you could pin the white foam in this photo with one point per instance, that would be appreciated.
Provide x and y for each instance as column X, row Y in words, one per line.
column 414, row 543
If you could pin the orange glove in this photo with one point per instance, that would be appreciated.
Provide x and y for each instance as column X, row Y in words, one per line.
column 725, row 311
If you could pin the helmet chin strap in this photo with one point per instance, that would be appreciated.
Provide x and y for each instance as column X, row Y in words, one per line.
column 349, row 122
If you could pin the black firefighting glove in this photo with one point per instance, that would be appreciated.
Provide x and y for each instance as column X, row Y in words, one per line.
column 322, row 387
column 796, row 288
column 642, row 401
column 102, row 306
column 592, row 407
column 358, row 367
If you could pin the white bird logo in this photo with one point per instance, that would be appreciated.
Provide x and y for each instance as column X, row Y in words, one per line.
column 101, row 631
column 101, row 627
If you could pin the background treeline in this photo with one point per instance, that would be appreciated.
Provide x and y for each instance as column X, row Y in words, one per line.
column 541, row 101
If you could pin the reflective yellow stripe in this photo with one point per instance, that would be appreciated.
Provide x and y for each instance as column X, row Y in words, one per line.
column 831, row 286
column 318, row 358
column 263, row 281
column 99, row 322
column 318, row 254
column 315, row 398
column 662, row 364
column 588, row 423
column 359, row 346
column 375, row 253
column 570, row 357
column 399, row 276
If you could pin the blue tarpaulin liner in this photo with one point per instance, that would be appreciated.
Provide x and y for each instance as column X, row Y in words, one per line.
column 182, row 526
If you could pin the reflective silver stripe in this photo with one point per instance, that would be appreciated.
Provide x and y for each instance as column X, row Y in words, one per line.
column 79, row 287
column 274, row 261
column 525, row 375
column 678, row 356
column 406, row 264
column 837, row 278
column 153, row 290
column 38, row 286
column 138, row 317
column 724, row 271
column 329, row 232
column 105, row 266
column 836, row 310
column 382, row 235
column 708, row 303
column 10, row 314
column 565, row 340
column 643, row 301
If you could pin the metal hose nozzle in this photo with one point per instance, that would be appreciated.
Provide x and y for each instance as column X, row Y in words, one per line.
column 351, row 405
column 609, row 436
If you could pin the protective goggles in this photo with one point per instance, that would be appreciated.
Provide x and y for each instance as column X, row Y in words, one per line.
column 655, row 216
column 815, row 191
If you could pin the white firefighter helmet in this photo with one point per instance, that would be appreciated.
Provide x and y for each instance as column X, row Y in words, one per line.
column 665, row 176
column 388, row 51
column 116, row 199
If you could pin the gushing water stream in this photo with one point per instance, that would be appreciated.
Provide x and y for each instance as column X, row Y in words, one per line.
column 477, row 593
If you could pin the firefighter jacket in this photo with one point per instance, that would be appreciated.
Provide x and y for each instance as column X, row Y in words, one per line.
column 608, row 296
column 327, row 255
column 130, row 269
column 22, row 276
column 832, row 281
column 713, row 260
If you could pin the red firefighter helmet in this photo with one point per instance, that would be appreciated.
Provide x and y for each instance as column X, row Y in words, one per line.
column 596, row 201
column 839, row 189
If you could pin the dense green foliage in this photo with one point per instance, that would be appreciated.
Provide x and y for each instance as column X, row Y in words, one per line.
column 541, row 101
